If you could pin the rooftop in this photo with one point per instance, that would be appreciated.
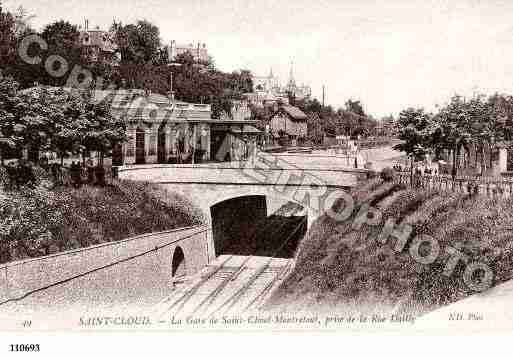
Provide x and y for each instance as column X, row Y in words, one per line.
column 294, row 112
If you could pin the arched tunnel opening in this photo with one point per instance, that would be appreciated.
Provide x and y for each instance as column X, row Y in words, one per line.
column 178, row 263
column 241, row 226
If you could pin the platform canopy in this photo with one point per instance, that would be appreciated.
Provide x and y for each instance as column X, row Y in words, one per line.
column 246, row 129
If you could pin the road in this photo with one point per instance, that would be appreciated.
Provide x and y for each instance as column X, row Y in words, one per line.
column 382, row 157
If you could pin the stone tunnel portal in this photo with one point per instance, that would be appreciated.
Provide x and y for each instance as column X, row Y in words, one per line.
column 241, row 226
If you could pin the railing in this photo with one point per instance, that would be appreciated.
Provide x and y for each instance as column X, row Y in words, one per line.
column 474, row 185
column 364, row 144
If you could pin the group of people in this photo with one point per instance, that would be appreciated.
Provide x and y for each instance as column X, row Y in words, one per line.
column 426, row 171
column 418, row 171
column 21, row 172
column 77, row 174
column 94, row 175
column 472, row 188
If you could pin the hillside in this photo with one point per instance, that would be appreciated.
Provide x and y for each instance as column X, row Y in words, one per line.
column 342, row 268
column 45, row 219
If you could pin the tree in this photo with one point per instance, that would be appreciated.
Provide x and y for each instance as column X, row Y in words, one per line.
column 414, row 133
column 7, row 38
column 462, row 124
column 62, row 36
column 8, row 103
column 22, row 19
column 63, row 39
column 100, row 130
column 138, row 43
column 86, row 126
column 355, row 107
column 56, row 120
column 458, row 127
column 29, row 118
column 315, row 132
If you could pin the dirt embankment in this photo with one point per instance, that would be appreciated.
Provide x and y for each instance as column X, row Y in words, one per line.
column 342, row 267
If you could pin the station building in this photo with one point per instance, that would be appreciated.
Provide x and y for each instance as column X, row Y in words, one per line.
column 161, row 129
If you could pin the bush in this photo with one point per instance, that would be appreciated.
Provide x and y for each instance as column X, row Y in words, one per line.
column 387, row 174
column 20, row 174
column 39, row 221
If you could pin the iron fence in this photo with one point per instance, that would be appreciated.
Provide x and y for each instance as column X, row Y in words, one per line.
column 474, row 185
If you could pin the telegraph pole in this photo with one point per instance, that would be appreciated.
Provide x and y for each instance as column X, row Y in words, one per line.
column 323, row 95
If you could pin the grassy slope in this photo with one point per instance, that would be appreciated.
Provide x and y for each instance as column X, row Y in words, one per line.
column 343, row 268
column 41, row 221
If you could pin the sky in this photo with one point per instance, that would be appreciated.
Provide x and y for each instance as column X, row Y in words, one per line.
column 390, row 54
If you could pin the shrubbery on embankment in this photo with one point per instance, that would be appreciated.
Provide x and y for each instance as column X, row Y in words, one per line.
column 339, row 267
column 43, row 220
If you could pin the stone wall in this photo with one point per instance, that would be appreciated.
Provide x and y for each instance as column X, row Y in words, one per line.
column 141, row 264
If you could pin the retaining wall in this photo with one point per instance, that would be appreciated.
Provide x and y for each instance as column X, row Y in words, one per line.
column 138, row 264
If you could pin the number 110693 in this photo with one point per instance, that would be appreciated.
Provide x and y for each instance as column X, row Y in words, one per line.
column 24, row 347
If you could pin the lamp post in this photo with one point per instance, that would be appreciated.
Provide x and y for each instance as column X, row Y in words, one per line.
column 492, row 150
column 194, row 144
column 204, row 134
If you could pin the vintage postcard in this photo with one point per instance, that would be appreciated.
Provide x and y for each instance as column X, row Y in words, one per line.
column 177, row 166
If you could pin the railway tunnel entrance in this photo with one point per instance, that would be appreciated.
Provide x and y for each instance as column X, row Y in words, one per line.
column 241, row 226
column 178, row 263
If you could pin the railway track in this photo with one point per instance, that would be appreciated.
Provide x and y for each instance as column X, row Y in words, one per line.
column 230, row 284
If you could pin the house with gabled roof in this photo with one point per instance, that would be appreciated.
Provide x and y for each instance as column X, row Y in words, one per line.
column 289, row 124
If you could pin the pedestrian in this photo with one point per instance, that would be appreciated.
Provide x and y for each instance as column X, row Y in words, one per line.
column 25, row 174
column 90, row 171
column 100, row 175
column 469, row 188
column 76, row 176
column 11, row 173
column 44, row 162
column 55, row 168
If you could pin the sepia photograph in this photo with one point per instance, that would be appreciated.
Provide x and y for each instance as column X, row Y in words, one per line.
column 255, row 166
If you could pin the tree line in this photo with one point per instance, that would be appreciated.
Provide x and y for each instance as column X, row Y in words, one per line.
column 55, row 120
column 143, row 62
column 323, row 120
column 462, row 126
